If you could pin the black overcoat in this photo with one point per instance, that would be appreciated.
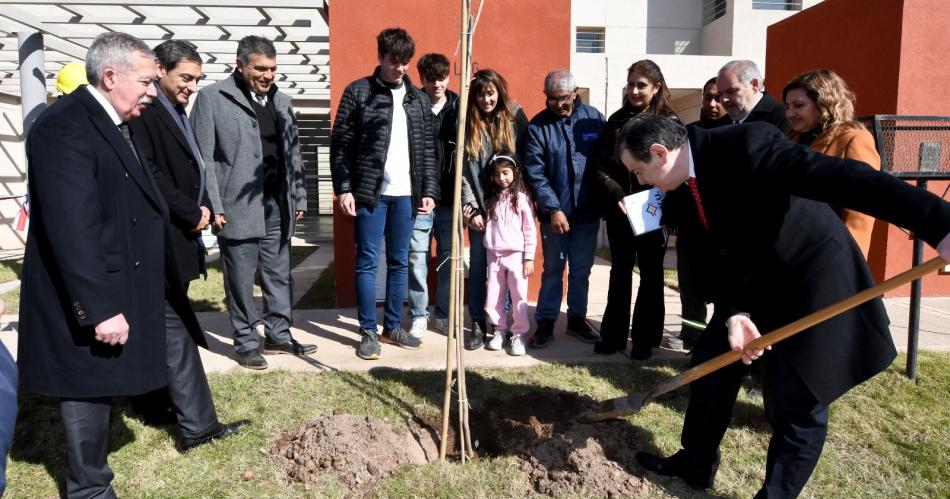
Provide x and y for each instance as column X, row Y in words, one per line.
column 97, row 246
column 779, row 252
column 175, row 169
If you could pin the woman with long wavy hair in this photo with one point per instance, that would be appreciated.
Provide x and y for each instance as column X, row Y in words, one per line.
column 646, row 92
column 820, row 111
column 494, row 123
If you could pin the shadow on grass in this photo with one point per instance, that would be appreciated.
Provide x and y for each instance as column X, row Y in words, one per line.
column 39, row 437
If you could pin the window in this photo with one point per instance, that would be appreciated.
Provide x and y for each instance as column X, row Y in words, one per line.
column 590, row 40
column 777, row 4
column 712, row 10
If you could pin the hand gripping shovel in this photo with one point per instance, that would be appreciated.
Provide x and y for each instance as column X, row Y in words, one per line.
column 634, row 402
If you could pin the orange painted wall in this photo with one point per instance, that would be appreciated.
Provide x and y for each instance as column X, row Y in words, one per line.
column 521, row 39
column 890, row 53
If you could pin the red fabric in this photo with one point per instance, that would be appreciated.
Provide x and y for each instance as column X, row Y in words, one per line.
column 699, row 204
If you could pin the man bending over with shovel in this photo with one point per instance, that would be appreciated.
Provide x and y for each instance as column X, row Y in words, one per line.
column 781, row 253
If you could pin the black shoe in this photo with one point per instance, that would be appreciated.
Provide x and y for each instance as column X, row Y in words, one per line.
column 369, row 348
column 252, row 359
column 476, row 338
column 640, row 353
column 544, row 334
column 400, row 338
column 291, row 347
column 580, row 329
column 604, row 349
column 219, row 431
column 672, row 466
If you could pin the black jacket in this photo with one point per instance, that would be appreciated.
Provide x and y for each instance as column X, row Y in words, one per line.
column 781, row 253
column 770, row 111
column 98, row 246
column 161, row 143
column 445, row 129
column 360, row 138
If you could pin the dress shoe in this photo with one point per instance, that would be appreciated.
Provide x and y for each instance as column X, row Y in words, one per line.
column 640, row 353
column 579, row 328
column 544, row 334
column 219, row 431
column 292, row 347
column 252, row 359
column 475, row 339
column 673, row 466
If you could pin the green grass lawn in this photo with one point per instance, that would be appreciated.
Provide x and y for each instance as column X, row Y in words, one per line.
column 888, row 438
column 10, row 269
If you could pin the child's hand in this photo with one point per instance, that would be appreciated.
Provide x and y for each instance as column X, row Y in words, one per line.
column 478, row 223
column 528, row 268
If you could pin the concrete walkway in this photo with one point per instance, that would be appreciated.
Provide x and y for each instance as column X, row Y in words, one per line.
column 335, row 332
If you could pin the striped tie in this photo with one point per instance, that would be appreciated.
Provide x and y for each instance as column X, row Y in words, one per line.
column 699, row 204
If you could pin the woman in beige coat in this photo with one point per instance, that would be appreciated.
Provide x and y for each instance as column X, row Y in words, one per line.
column 820, row 111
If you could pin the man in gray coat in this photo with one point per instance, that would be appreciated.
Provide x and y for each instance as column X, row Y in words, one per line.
column 247, row 134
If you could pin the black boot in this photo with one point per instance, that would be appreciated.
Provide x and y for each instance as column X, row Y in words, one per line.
column 476, row 338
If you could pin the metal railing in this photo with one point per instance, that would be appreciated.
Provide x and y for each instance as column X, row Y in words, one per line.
column 713, row 9
column 776, row 5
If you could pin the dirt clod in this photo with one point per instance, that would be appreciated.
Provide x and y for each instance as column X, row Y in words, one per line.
column 247, row 475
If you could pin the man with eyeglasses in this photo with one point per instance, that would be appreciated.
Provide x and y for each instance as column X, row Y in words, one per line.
column 166, row 143
column 247, row 134
column 559, row 142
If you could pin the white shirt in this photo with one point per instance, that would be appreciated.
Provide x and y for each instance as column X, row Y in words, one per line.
column 437, row 107
column 397, row 180
column 105, row 104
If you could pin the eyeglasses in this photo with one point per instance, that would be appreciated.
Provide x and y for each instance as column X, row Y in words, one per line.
column 560, row 100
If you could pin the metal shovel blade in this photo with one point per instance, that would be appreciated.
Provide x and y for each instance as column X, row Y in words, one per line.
column 616, row 408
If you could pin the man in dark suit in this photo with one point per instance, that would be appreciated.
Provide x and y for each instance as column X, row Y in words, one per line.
column 742, row 93
column 166, row 144
column 95, row 279
column 780, row 253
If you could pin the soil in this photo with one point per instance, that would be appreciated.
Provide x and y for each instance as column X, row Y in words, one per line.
column 558, row 454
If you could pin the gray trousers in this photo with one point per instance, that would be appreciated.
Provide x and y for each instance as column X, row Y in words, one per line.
column 86, row 424
column 240, row 260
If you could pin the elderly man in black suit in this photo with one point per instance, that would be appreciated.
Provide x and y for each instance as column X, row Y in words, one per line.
column 167, row 146
column 780, row 253
column 742, row 93
column 95, row 278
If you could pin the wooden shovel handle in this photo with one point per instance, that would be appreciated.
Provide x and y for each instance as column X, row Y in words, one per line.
column 716, row 363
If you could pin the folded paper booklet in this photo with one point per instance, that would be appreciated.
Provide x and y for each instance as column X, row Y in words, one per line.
column 644, row 210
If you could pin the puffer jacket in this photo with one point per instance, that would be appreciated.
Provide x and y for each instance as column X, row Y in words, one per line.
column 360, row 138
column 559, row 163
column 444, row 127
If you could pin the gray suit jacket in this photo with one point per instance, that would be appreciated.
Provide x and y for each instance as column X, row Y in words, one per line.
column 230, row 143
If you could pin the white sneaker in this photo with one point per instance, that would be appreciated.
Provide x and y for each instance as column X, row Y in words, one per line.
column 419, row 325
column 497, row 342
column 517, row 345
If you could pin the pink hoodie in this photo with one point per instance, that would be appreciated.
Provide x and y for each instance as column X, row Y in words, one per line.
column 512, row 229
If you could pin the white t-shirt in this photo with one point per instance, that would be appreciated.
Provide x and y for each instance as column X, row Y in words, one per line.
column 397, row 179
column 437, row 107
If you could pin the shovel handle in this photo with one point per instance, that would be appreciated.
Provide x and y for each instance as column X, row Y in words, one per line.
column 723, row 360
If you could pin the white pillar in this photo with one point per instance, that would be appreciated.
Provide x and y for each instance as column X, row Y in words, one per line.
column 32, row 77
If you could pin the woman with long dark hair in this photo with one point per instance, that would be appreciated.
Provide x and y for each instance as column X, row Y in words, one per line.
column 646, row 92
column 494, row 123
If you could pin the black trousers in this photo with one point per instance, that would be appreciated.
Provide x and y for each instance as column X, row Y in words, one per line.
column 692, row 273
column 627, row 250
column 86, row 423
column 798, row 420
column 187, row 394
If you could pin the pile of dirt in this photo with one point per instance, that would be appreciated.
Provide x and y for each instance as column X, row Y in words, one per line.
column 559, row 454
column 358, row 450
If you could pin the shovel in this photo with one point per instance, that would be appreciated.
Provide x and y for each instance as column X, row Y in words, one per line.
column 634, row 402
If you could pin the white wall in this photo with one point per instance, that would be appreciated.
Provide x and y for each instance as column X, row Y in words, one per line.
column 12, row 170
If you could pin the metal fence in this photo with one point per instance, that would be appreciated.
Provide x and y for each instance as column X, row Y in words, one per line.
column 912, row 147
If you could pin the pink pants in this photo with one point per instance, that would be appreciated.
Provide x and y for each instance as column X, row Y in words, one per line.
column 506, row 271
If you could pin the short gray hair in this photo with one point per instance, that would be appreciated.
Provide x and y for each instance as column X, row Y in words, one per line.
column 113, row 50
column 745, row 70
column 252, row 44
column 558, row 81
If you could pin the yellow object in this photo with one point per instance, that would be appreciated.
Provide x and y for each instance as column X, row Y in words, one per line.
column 71, row 76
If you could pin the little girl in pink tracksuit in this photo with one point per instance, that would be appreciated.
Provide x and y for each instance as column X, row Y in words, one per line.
column 510, row 241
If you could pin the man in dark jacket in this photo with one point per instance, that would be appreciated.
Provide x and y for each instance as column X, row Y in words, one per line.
column 434, row 76
column 166, row 143
column 99, row 265
column 742, row 92
column 560, row 140
column 382, row 158
column 780, row 253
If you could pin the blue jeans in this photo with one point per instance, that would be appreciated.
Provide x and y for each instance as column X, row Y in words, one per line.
column 577, row 246
column 442, row 230
column 391, row 217
column 419, row 246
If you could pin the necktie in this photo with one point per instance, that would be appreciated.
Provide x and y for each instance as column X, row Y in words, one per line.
column 694, row 188
column 124, row 128
column 261, row 99
column 192, row 144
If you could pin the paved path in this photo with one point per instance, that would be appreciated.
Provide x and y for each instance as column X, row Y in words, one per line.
column 334, row 331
